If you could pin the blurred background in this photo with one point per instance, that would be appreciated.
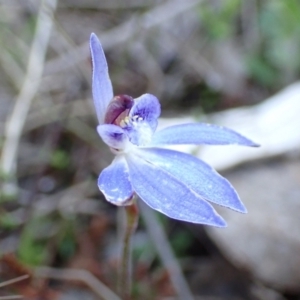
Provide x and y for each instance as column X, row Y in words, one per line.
column 216, row 60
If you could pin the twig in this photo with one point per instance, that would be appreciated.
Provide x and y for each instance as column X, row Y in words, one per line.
column 160, row 241
column 151, row 68
column 124, row 32
column 29, row 88
column 91, row 4
column 82, row 130
column 11, row 68
column 80, row 275
column 11, row 297
column 11, row 281
column 47, row 115
column 249, row 24
column 63, row 200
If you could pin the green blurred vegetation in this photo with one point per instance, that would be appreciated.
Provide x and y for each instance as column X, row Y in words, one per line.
column 219, row 21
column 272, row 59
column 44, row 238
column 60, row 159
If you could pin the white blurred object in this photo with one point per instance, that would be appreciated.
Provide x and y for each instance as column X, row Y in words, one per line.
column 274, row 124
column 266, row 241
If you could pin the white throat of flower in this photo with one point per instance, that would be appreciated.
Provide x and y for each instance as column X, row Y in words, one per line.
column 142, row 132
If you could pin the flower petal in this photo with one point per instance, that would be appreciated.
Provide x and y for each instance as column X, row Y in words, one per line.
column 195, row 174
column 113, row 135
column 102, row 87
column 147, row 108
column 114, row 182
column 199, row 133
column 164, row 193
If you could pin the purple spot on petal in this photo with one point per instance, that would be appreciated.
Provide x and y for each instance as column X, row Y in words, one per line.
column 117, row 136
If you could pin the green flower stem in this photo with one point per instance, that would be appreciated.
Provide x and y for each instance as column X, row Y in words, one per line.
column 132, row 214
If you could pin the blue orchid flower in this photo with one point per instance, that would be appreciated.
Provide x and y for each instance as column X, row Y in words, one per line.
column 171, row 182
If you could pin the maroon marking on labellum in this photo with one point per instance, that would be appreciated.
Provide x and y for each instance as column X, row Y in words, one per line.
column 118, row 109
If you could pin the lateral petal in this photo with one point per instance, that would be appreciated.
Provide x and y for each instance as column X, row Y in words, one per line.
column 113, row 135
column 114, row 182
column 101, row 84
column 199, row 133
column 195, row 174
column 166, row 194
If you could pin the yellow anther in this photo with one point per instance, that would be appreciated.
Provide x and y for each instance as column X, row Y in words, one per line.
column 125, row 122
